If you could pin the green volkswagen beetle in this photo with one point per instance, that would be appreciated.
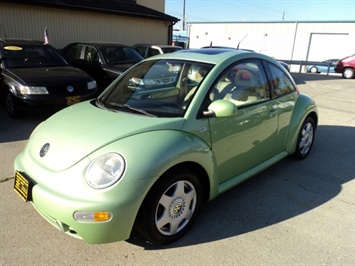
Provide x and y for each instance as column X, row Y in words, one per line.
column 173, row 131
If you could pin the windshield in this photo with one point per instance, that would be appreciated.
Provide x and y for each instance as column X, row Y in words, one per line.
column 115, row 55
column 28, row 56
column 162, row 88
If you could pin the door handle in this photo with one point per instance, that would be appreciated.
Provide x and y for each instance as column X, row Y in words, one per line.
column 146, row 96
column 272, row 113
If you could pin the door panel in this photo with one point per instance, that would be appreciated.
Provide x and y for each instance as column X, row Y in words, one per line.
column 248, row 138
column 244, row 140
column 285, row 94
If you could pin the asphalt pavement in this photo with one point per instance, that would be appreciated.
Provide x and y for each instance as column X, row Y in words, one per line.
column 294, row 213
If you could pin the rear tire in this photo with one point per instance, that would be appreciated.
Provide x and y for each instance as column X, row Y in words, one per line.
column 314, row 70
column 170, row 207
column 305, row 139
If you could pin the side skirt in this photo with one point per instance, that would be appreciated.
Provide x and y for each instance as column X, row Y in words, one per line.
column 246, row 175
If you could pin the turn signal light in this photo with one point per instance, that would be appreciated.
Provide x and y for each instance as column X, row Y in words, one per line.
column 85, row 216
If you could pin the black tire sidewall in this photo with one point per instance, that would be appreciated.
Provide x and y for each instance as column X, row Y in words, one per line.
column 145, row 222
column 298, row 154
column 13, row 111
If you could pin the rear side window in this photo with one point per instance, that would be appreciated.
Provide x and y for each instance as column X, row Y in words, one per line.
column 243, row 83
column 141, row 50
column 74, row 52
column 91, row 55
column 152, row 52
column 281, row 83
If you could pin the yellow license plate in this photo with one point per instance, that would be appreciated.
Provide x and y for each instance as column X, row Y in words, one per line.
column 23, row 186
column 72, row 100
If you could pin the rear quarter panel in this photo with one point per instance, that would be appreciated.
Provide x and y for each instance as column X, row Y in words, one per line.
column 304, row 107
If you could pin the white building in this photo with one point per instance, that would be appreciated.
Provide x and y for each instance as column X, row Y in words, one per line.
column 307, row 41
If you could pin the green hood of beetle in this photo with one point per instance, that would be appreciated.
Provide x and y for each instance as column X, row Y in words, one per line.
column 75, row 132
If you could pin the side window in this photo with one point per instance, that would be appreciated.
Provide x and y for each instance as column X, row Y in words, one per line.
column 74, row 52
column 152, row 52
column 91, row 55
column 243, row 83
column 113, row 55
column 141, row 50
column 281, row 83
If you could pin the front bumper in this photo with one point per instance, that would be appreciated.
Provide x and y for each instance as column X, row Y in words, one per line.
column 57, row 196
column 35, row 100
column 338, row 69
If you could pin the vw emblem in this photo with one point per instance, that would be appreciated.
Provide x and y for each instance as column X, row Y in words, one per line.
column 177, row 207
column 44, row 150
column 70, row 88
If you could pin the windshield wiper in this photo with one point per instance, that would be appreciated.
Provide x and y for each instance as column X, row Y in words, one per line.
column 136, row 110
column 140, row 111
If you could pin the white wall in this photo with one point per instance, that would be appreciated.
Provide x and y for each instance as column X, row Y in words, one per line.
column 316, row 41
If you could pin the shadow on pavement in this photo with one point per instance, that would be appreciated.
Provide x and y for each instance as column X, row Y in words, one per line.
column 20, row 128
column 282, row 192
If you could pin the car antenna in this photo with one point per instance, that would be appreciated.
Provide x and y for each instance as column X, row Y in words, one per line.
column 241, row 41
column 3, row 30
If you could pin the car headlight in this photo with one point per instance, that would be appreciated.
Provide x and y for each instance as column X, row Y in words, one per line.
column 92, row 85
column 105, row 170
column 31, row 90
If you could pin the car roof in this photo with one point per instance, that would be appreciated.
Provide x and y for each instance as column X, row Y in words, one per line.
column 228, row 47
column 20, row 42
column 209, row 55
column 158, row 45
column 100, row 44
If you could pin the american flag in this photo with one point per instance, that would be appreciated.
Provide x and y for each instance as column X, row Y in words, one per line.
column 46, row 37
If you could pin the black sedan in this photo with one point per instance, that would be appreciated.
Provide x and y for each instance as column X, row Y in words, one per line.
column 103, row 61
column 35, row 74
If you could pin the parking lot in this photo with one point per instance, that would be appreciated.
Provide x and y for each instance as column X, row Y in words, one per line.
column 294, row 213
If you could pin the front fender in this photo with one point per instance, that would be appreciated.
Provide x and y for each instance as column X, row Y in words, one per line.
column 149, row 155
column 304, row 107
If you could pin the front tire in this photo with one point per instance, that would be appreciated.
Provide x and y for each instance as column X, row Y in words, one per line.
column 348, row 73
column 12, row 106
column 305, row 139
column 170, row 208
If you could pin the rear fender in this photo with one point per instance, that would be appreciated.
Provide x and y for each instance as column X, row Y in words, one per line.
column 304, row 107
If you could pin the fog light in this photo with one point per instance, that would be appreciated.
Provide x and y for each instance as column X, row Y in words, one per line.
column 85, row 216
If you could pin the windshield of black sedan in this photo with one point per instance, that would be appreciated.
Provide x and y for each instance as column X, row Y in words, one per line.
column 28, row 56
column 115, row 55
column 162, row 88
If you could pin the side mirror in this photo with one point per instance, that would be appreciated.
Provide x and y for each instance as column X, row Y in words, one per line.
column 221, row 108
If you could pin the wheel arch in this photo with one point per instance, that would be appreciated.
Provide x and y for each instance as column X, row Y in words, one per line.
column 143, row 223
column 164, row 152
column 305, row 107
column 4, row 88
column 200, row 172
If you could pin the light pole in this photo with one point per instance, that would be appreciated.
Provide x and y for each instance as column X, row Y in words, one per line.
column 183, row 17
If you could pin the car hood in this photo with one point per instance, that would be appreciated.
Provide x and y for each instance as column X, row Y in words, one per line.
column 79, row 130
column 46, row 76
